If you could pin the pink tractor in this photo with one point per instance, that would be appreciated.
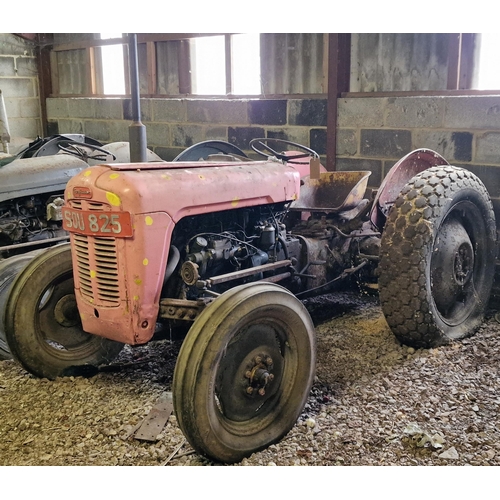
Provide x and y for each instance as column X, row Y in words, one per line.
column 224, row 248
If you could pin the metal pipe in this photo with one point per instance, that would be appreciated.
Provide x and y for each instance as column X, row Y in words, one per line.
column 4, row 126
column 33, row 243
column 224, row 278
column 137, row 131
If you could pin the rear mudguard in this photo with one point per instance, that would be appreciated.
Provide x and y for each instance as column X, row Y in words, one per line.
column 398, row 176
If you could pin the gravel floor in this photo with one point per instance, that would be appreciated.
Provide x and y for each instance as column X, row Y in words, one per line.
column 374, row 402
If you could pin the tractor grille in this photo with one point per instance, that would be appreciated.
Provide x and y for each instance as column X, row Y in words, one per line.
column 97, row 263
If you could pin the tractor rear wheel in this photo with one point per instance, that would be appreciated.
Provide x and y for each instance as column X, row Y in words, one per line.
column 437, row 259
column 244, row 371
column 42, row 323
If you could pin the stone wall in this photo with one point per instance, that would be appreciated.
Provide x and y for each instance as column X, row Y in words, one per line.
column 373, row 133
column 19, row 86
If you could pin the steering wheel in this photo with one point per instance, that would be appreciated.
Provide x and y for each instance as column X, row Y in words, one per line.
column 85, row 151
column 261, row 147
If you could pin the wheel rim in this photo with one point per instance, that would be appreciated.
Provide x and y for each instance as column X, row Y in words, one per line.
column 261, row 356
column 250, row 373
column 59, row 328
column 457, row 263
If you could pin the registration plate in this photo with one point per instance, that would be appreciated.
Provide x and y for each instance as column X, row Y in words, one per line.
column 92, row 223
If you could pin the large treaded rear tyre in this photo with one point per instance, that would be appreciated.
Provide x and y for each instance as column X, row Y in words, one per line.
column 437, row 258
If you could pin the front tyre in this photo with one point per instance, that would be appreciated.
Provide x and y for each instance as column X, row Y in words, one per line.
column 244, row 371
column 9, row 269
column 437, row 259
column 42, row 323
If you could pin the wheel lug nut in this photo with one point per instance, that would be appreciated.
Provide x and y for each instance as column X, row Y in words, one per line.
column 249, row 390
column 262, row 392
column 271, row 377
column 258, row 359
column 248, row 374
column 269, row 361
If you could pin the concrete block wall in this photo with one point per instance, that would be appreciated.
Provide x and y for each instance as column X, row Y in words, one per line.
column 19, row 86
column 172, row 125
column 373, row 133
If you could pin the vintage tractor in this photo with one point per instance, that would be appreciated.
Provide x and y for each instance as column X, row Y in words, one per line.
column 32, row 184
column 228, row 246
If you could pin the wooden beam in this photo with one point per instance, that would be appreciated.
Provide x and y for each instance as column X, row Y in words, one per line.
column 151, row 60
column 91, row 80
column 141, row 38
column 43, row 59
column 455, row 40
column 184, row 64
column 467, row 49
column 339, row 71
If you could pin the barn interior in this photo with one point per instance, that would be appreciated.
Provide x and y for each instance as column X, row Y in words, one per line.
column 361, row 102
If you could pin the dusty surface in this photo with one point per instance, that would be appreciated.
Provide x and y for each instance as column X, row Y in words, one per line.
column 374, row 402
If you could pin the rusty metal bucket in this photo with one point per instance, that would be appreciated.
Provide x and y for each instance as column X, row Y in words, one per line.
column 332, row 192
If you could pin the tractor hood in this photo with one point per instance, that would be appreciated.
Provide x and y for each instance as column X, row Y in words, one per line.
column 32, row 176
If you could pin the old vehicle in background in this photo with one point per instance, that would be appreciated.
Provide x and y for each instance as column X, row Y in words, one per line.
column 32, row 184
column 227, row 246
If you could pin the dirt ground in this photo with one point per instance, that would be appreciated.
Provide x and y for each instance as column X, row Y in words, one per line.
column 374, row 402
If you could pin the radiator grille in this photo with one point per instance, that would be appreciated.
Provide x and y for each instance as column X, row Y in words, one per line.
column 97, row 263
column 99, row 285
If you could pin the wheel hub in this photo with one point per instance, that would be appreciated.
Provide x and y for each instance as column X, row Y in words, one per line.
column 259, row 375
column 463, row 265
column 452, row 264
column 66, row 311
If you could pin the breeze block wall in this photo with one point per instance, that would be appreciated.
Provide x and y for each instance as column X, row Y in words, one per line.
column 372, row 134
column 19, row 86
column 172, row 125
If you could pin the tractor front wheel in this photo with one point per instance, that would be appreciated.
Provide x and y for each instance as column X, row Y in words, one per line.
column 42, row 323
column 244, row 371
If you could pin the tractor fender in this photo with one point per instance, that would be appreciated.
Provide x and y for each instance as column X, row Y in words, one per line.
column 396, row 179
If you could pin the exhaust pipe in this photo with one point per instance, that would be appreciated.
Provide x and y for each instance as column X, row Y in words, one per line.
column 136, row 131
column 4, row 126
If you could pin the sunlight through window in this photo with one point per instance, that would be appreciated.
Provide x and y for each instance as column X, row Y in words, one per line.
column 246, row 64
column 208, row 60
column 489, row 73
column 113, row 71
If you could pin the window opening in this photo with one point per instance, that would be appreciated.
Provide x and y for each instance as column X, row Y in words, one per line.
column 246, row 64
column 489, row 73
column 209, row 68
column 113, row 70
